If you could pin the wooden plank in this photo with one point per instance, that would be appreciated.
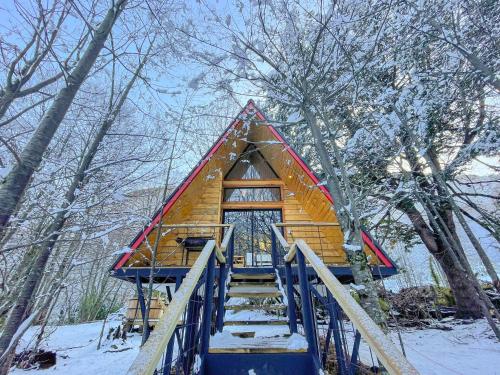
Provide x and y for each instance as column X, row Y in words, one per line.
column 252, row 183
column 256, row 322
column 265, row 307
column 254, row 295
column 251, row 276
column 390, row 356
column 307, row 224
column 251, row 205
column 256, row 350
column 151, row 352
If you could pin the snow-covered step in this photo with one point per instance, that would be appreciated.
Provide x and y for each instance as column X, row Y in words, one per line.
column 253, row 276
column 266, row 284
column 254, row 292
column 260, row 331
column 264, row 307
column 225, row 342
column 256, row 322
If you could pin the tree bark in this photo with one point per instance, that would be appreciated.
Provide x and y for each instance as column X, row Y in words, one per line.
column 19, row 309
column 18, row 179
column 346, row 212
column 463, row 289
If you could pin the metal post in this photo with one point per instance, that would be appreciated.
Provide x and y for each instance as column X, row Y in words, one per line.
column 274, row 250
column 167, row 364
column 292, row 318
column 231, row 250
column 334, row 310
column 221, row 296
column 188, row 334
column 354, row 356
column 207, row 306
column 140, row 296
column 307, row 311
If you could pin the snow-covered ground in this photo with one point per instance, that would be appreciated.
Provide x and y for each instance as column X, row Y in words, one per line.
column 467, row 349
column 77, row 354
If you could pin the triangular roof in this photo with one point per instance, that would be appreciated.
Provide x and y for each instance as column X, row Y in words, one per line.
column 249, row 109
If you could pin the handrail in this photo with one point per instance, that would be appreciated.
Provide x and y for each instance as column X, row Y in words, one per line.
column 227, row 237
column 384, row 348
column 151, row 352
column 279, row 236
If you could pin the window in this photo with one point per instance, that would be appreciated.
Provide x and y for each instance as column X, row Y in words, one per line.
column 260, row 194
column 251, row 165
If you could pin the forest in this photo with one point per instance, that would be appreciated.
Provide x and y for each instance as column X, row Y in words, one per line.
column 105, row 106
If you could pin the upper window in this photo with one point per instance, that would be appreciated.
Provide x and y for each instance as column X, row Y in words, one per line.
column 252, row 194
column 251, row 165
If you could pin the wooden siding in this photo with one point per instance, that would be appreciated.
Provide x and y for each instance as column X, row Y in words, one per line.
column 201, row 203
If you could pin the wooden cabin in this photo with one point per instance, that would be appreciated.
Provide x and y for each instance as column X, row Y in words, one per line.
column 250, row 178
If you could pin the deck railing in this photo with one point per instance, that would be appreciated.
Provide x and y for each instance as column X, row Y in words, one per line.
column 184, row 330
column 321, row 236
column 337, row 300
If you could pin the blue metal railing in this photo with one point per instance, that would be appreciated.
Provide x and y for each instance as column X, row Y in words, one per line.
column 313, row 298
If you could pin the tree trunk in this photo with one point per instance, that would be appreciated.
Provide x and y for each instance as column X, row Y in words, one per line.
column 346, row 212
column 463, row 289
column 17, row 180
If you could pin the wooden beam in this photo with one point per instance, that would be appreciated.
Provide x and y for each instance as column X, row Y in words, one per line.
column 251, row 205
column 251, row 183
column 151, row 352
column 196, row 226
column 390, row 356
column 307, row 224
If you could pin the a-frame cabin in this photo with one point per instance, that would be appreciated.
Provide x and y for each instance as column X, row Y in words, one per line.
column 251, row 178
column 248, row 220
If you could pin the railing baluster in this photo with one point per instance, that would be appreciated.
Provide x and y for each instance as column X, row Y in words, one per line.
column 207, row 306
column 221, row 294
column 333, row 308
column 292, row 318
column 354, row 357
column 307, row 311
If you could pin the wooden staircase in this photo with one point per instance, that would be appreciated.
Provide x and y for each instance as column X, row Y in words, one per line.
column 256, row 336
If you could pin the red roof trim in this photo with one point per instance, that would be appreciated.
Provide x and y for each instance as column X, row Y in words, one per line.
column 325, row 191
column 181, row 190
column 249, row 107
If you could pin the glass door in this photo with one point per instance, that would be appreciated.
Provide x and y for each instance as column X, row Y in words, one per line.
column 252, row 235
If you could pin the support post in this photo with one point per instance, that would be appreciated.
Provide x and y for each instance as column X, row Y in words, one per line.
column 334, row 310
column 307, row 311
column 221, row 296
column 274, row 250
column 292, row 318
column 355, row 351
column 167, row 364
column 140, row 297
column 188, row 334
column 231, row 250
column 207, row 306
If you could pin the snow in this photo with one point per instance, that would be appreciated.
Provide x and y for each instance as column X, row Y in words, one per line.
column 76, row 348
column 297, row 341
column 465, row 350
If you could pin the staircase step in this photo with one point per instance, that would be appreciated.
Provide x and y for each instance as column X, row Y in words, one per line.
column 244, row 335
column 265, row 307
column 274, row 322
column 253, row 276
column 228, row 343
column 252, row 283
column 254, row 294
